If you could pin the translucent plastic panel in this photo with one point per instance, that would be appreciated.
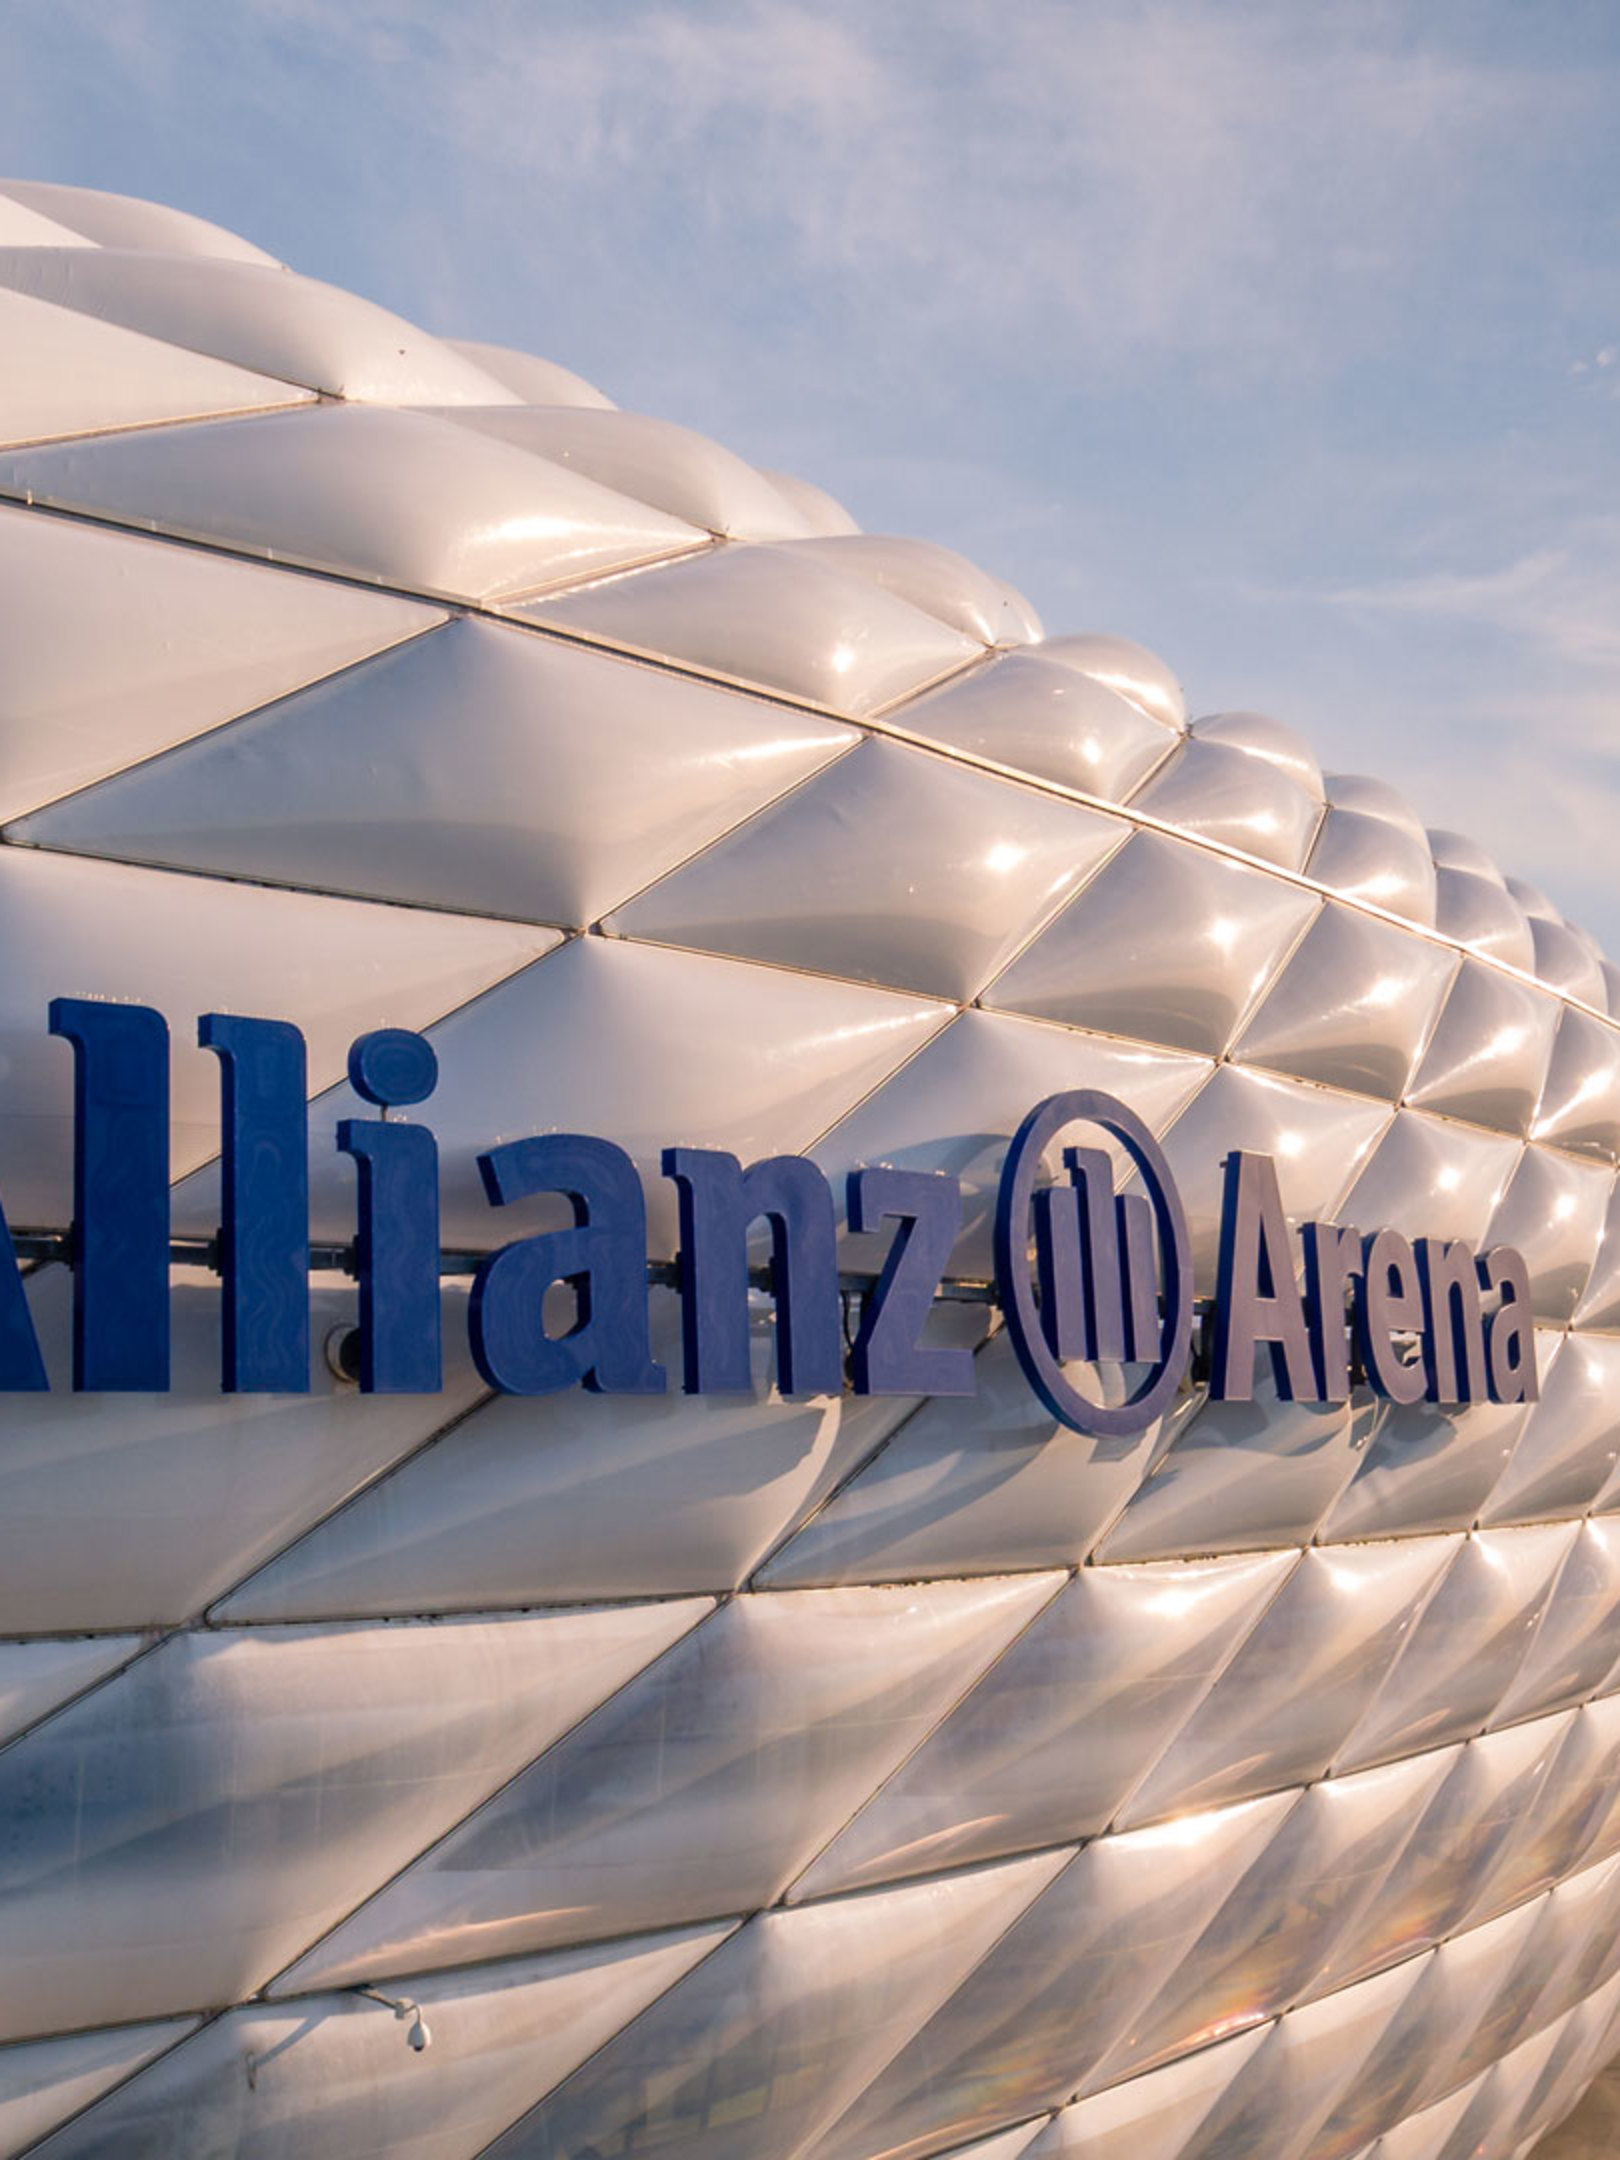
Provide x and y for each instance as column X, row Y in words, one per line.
column 1571, row 1440
column 894, row 867
column 66, row 374
column 1580, row 1104
column 1599, row 1302
column 1036, row 2018
column 117, row 647
column 1028, row 711
column 1221, row 792
column 1290, row 2084
column 640, row 1044
column 524, row 1500
column 1578, row 1641
column 779, row 620
column 186, row 1829
column 1522, row 1980
column 35, row 1677
column 1352, row 1007
column 1269, row 1941
column 1368, row 797
column 1431, row 1178
column 1367, row 858
column 97, row 929
column 1049, row 1743
column 1170, row 943
column 22, row 227
column 1149, row 2118
column 1412, row 2058
column 1010, row 2145
column 703, row 1789
column 1480, row 913
column 821, row 514
column 261, row 2081
column 1488, row 1059
column 42, row 2082
column 652, row 461
column 569, row 780
column 130, row 1510
column 1487, row 2128
column 1553, row 1212
column 1283, row 1707
column 1583, row 1911
column 123, row 221
column 1561, row 1831
column 1468, row 1646
column 1564, row 962
column 1317, row 1141
column 1269, row 741
column 1585, row 2044
column 535, row 381
column 968, row 1485
column 1455, row 851
column 396, row 497
column 258, row 316
column 1130, row 669
column 1425, row 2136
column 1427, row 1469
column 937, row 580
column 957, row 1104
column 1238, row 1476
column 1449, row 1861
column 769, row 2039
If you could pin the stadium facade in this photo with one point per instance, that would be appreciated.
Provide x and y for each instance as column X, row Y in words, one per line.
column 452, row 830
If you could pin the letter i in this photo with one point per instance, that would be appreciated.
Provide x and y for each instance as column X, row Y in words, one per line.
column 398, row 1241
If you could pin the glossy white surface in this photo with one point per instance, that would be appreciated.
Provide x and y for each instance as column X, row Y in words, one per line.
column 531, row 379
column 828, row 637
column 259, row 317
column 570, row 1046
column 67, row 374
column 1223, row 791
column 579, row 779
column 125, row 221
column 96, row 929
column 1353, row 1006
column 823, row 1693
column 42, row 2082
column 956, row 872
column 135, row 1511
column 499, row 2041
column 1488, row 1057
column 1029, row 712
column 1169, row 944
column 935, row 579
column 118, row 646
column 1369, row 858
column 247, row 1780
column 394, row 498
column 653, row 460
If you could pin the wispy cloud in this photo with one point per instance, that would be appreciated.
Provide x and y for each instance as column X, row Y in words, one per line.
column 1563, row 601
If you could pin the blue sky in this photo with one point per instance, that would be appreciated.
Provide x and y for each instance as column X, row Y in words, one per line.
column 1283, row 338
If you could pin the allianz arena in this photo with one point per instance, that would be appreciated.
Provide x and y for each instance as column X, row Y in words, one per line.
column 596, row 1774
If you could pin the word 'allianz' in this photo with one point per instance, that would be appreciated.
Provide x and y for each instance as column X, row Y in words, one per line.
column 1084, row 1276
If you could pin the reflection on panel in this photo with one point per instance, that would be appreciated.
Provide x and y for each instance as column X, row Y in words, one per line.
column 702, row 1789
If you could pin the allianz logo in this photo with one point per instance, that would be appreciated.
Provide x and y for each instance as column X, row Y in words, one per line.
column 1090, row 1282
